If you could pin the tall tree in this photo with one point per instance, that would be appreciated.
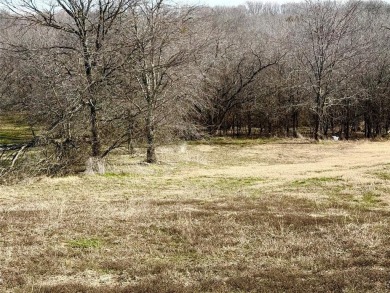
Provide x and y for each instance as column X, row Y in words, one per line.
column 160, row 43
column 324, row 41
column 88, row 28
column 240, row 50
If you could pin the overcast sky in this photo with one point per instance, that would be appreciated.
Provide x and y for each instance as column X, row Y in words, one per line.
column 229, row 2
column 216, row 2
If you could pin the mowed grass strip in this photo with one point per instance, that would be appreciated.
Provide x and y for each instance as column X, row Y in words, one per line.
column 179, row 228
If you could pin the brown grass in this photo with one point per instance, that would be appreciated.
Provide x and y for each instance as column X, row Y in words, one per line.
column 232, row 217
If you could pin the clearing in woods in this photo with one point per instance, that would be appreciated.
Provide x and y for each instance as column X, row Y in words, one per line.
column 225, row 216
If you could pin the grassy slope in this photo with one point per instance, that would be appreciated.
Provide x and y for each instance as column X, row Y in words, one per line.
column 221, row 217
column 13, row 130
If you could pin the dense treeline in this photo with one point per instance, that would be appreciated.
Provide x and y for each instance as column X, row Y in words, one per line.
column 89, row 76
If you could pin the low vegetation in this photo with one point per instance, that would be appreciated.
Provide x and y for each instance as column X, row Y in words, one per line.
column 283, row 216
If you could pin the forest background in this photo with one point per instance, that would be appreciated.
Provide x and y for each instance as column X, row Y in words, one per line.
column 81, row 78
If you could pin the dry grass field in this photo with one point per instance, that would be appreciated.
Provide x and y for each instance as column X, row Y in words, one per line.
column 223, row 216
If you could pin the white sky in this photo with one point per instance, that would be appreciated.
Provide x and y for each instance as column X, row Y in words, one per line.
column 216, row 2
column 231, row 2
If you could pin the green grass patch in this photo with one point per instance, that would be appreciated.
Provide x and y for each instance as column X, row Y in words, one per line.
column 119, row 175
column 225, row 183
column 383, row 175
column 370, row 198
column 14, row 130
column 85, row 243
column 316, row 181
column 237, row 182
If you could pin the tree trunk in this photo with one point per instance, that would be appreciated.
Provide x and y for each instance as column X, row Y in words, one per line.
column 95, row 164
column 211, row 129
column 318, row 115
column 367, row 126
column 295, row 123
column 130, row 140
column 316, row 127
column 249, row 133
column 95, row 145
column 151, row 151
column 269, row 127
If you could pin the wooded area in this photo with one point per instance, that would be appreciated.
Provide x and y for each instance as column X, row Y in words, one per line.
column 88, row 76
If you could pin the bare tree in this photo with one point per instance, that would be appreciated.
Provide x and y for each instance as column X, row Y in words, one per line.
column 88, row 28
column 235, row 59
column 159, row 36
column 258, row 8
column 374, row 79
column 325, row 40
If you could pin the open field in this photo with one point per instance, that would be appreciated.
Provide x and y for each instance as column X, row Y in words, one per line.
column 228, row 216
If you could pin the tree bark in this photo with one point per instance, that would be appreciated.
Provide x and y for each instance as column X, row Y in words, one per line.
column 95, row 142
column 151, row 150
